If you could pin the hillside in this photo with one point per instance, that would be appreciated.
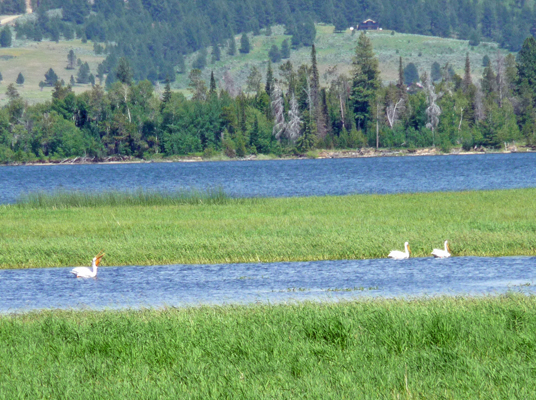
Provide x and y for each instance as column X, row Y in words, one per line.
column 33, row 59
column 337, row 49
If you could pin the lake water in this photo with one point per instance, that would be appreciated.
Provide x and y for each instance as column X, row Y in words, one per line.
column 283, row 178
column 182, row 285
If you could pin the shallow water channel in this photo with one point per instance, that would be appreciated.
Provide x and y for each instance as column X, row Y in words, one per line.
column 183, row 285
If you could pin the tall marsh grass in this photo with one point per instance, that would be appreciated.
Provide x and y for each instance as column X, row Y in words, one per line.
column 223, row 230
column 140, row 197
column 442, row 348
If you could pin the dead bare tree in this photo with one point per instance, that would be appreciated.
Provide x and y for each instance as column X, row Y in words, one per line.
column 433, row 111
column 294, row 120
column 278, row 111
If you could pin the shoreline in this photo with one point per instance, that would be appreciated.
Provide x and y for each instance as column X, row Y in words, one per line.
column 367, row 152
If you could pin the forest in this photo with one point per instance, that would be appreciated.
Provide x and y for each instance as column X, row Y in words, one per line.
column 155, row 35
column 291, row 115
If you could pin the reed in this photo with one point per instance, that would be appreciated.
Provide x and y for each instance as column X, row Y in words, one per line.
column 441, row 348
column 482, row 223
column 68, row 199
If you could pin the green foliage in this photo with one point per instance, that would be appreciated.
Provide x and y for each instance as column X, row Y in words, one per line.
column 244, row 44
column 20, row 79
column 274, row 54
column 366, row 80
column 51, row 78
column 5, row 37
column 411, row 75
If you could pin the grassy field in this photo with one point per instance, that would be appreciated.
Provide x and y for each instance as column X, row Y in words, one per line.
column 443, row 348
column 33, row 59
column 482, row 223
column 337, row 49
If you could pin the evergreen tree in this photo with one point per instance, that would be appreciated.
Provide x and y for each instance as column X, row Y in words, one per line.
column 166, row 97
column 201, row 60
column 269, row 79
column 20, row 79
column 285, row 49
column 244, row 44
column 274, row 54
column 526, row 67
column 71, row 60
column 486, row 61
column 366, row 81
column 467, row 80
column 216, row 53
column 100, row 73
column 231, row 51
column 411, row 75
column 435, row 73
column 83, row 74
column 1, row 77
column 50, row 77
column 92, row 79
column 72, row 81
column 213, row 89
column 123, row 72
column 5, row 37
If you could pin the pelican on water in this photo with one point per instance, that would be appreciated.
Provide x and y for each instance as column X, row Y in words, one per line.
column 85, row 272
column 438, row 253
column 400, row 255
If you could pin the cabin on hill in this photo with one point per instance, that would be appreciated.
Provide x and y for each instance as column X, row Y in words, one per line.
column 368, row 25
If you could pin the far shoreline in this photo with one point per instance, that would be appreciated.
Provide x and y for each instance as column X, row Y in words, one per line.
column 316, row 154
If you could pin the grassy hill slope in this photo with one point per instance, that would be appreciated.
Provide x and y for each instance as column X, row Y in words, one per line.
column 33, row 59
column 337, row 49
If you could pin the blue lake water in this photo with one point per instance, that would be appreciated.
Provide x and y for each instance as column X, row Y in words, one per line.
column 183, row 285
column 283, row 178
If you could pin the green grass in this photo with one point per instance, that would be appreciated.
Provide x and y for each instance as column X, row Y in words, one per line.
column 482, row 223
column 69, row 199
column 33, row 59
column 444, row 348
column 337, row 50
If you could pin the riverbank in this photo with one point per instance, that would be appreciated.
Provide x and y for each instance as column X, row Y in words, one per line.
column 314, row 154
column 480, row 223
column 460, row 348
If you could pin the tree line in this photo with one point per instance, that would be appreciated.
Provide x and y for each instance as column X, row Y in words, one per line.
column 155, row 35
column 290, row 115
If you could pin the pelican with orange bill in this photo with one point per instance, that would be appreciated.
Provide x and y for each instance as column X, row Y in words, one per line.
column 85, row 272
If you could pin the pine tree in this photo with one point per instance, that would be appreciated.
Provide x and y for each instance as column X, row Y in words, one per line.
column 123, row 72
column 411, row 74
column 285, row 49
column 315, row 79
column 486, row 61
column 526, row 66
column 20, row 79
column 50, row 77
column 71, row 60
column 1, row 77
column 166, row 97
column 71, row 81
column 91, row 79
column 181, row 64
column 435, row 72
column 244, row 44
column 269, row 80
column 216, row 53
column 366, row 81
column 5, row 37
column 467, row 81
column 83, row 74
column 213, row 89
column 231, row 51
column 274, row 54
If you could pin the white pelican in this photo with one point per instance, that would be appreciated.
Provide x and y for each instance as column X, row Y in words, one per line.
column 85, row 272
column 438, row 253
column 400, row 255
